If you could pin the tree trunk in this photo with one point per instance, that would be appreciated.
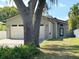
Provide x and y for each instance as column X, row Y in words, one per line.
column 37, row 28
column 38, row 15
column 27, row 15
column 28, row 29
column 27, row 20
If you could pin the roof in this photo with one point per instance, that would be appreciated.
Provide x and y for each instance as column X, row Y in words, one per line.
column 51, row 19
column 12, row 17
column 57, row 20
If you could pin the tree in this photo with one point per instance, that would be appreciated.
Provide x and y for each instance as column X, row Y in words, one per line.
column 73, row 17
column 31, row 32
column 7, row 12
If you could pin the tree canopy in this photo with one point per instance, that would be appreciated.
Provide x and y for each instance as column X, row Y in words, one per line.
column 73, row 17
column 7, row 12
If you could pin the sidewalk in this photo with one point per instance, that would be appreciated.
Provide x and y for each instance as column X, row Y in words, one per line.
column 11, row 42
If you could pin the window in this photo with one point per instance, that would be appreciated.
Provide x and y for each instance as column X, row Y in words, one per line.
column 61, row 32
column 41, row 24
column 61, row 24
column 14, row 25
column 20, row 25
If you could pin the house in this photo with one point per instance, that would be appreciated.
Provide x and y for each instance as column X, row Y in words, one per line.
column 49, row 28
column 61, row 28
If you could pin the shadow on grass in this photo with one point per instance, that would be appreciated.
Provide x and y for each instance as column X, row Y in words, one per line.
column 61, row 48
column 55, row 39
column 55, row 56
column 59, row 52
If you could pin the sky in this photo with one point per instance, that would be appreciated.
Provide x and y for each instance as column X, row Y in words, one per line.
column 60, row 11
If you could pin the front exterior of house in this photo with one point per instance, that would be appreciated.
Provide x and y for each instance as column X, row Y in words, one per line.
column 49, row 28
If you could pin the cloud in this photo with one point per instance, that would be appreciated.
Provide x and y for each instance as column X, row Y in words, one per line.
column 61, row 5
column 64, row 18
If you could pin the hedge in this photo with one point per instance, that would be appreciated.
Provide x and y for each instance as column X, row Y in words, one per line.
column 21, row 52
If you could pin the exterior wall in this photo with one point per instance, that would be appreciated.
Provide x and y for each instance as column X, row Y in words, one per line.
column 51, row 27
column 50, row 30
column 58, row 29
column 54, row 25
column 17, row 20
column 45, row 21
column 8, row 32
column 64, row 28
column 2, row 34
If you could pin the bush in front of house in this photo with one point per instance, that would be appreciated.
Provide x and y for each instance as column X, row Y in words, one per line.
column 2, row 27
column 22, row 52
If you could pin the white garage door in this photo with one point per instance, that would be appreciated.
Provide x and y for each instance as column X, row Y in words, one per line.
column 42, row 33
column 17, row 31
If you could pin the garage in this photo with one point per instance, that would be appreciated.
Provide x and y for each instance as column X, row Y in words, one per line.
column 15, row 28
column 17, row 31
column 42, row 33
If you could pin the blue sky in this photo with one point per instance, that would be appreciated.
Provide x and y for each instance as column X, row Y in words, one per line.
column 60, row 11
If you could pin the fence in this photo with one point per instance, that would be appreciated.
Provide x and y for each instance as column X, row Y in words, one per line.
column 3, row 35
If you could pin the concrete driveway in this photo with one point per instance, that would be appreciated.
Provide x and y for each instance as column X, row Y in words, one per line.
column 11, row 42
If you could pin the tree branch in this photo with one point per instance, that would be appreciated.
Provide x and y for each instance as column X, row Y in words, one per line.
column 21, row 6
column 32, row 4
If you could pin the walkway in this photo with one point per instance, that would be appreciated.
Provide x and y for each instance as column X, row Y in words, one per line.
column 10, row 42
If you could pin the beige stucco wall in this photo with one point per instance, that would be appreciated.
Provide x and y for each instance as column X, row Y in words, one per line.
column 17, row 20
column 64, row 28
column 66, row 32
column 51, row 27
column 54, row 26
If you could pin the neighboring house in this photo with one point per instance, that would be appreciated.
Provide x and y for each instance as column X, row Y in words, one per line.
column 49, row 28
column 76, row 33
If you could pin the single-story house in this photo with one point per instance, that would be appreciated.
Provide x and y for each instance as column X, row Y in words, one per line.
column 49, row 28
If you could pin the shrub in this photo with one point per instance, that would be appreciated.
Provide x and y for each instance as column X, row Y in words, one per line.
column 2, row 27
column 22, row 52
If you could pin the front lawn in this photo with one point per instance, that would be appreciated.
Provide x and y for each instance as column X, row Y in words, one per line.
column 67, row 48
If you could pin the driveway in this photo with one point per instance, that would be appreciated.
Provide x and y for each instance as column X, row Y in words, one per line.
column 11, row 42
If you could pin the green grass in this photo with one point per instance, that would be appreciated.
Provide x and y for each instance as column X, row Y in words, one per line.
column 67, row 48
